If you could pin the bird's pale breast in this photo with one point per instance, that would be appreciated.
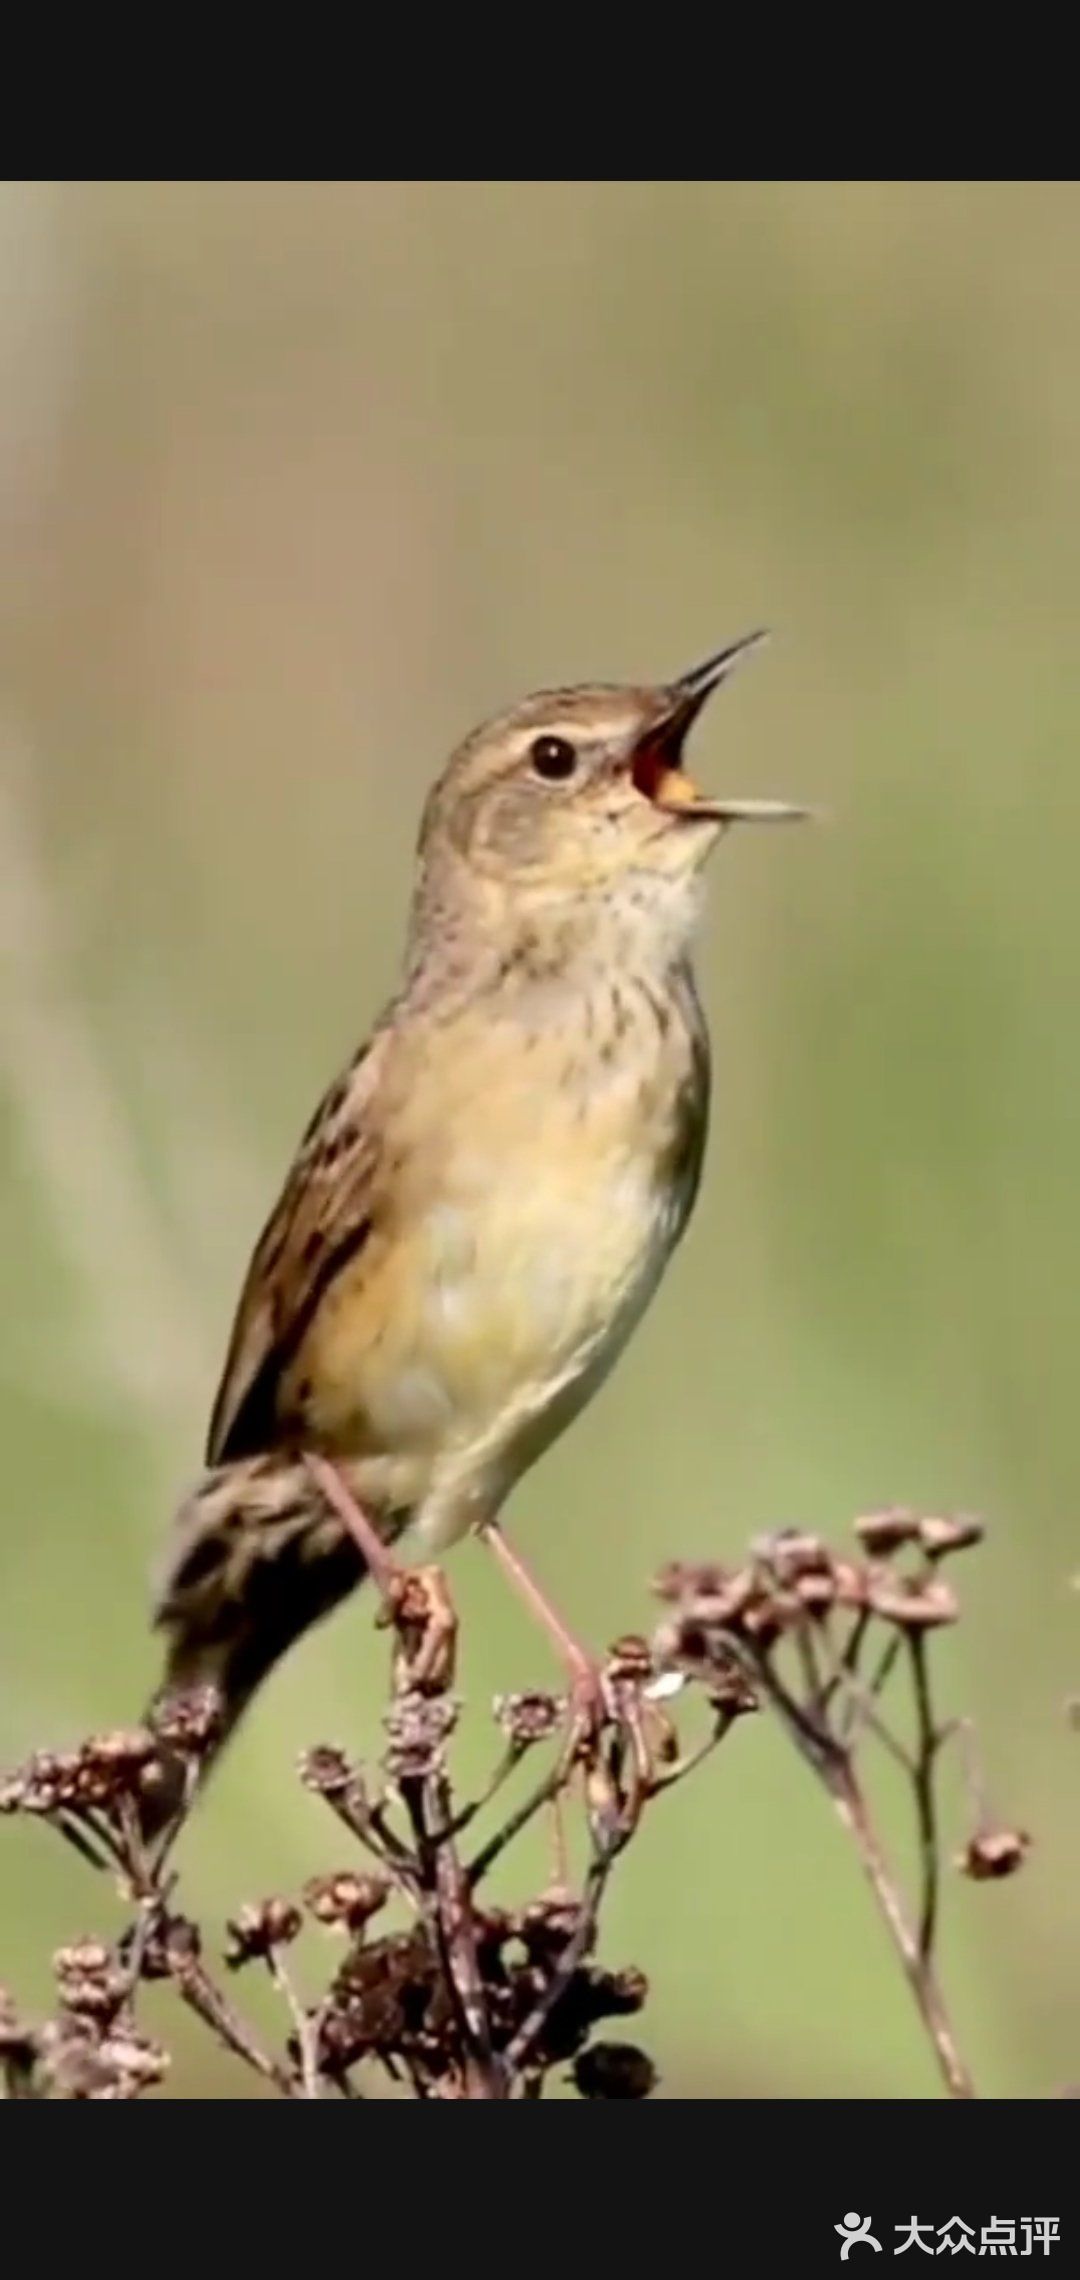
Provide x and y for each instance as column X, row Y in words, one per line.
column 530, row 1220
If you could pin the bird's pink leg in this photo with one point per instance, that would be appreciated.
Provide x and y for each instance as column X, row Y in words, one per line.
column 585, row 1674
column 383, row 1568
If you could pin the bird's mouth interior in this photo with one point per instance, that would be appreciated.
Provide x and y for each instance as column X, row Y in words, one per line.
column 656, row 768
column 657, row 772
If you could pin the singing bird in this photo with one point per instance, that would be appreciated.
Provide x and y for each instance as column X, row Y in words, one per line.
column 484, row 1202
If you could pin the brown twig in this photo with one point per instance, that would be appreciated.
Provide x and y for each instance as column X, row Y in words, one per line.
column 207, row 2002
column 306, row 2037
column 918, row 1966
column 551, row 1786
column 452, row 1920
column 927, row 1745
column 528, row 2035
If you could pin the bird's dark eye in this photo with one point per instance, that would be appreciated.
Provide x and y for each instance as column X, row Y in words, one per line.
column 553, row 759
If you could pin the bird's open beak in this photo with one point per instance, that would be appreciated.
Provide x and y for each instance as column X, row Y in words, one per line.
column 658, row 763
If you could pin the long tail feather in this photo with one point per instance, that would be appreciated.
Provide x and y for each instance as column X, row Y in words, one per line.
column 256, row 1557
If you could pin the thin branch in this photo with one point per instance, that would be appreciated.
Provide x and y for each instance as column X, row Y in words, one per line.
column 368, row 1824
column 671, row 1775
column 306, row 2037
column 206, row 2000
column 577, row 1947
column 533, row 1804
column 918, row 1968
column 74, row 1835
column 848, row 1658
column 870, row 1688
column 862, row 1712
column 507, row 1764
column 927, row 1746
column 454, row 1928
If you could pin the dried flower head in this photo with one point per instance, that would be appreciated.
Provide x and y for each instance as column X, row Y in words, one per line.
column 886, row 1532
column 190, row 1721
column 729, row 1689
column 390, row 1998
column 138, row 2063
column 912, row 1605
column 618, row 1994
column 172, row 1946
column 258, row 1928
column 327, row 1771
column 685, row 1644
column 123, row 1751
column 419, row 1727
column 815, row 1589
column 788, row 1553
column 728, row 1603
column 689, row 1579
column 45, row 1782
column 121, row 2066
column 991, row 1853
column 549, row 1921
column 614, row 2070
column 629, row 1660
column 529, row 1717
column 346, row 1899
column 89, row 1981
column 955, row 1534
column 73, row 2064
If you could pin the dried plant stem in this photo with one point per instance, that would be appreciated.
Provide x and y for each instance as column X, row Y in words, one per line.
column 431, row 1809
column 216, row 2012
column 475, row 2000
column 367, row 1824
column 860, row 1697
column 306, row 2042
column 827, row 1715
column 928, row 1744
column 577, row 1946
column 918, row 1968
column 545, row 1791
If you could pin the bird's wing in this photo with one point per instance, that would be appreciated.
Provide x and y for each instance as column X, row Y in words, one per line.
column 322, row 1219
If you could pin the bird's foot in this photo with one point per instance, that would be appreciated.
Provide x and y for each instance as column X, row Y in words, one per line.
column 424, row 1617
column 415, row 1601
column 591, row 1702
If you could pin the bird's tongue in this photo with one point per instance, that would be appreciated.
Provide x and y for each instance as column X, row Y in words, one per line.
column 660, row 776
column 662, row 779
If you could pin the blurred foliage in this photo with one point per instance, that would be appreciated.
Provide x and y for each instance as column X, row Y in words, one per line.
column 299, row 480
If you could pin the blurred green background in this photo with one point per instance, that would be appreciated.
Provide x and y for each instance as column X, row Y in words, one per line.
column 298, row 481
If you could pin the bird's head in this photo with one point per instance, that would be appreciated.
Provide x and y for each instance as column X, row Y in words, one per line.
column 578, row 796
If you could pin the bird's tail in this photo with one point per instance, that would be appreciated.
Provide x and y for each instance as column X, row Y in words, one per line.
column 255, row 1558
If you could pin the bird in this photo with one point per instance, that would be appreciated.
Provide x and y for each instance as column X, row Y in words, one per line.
column 486, row 1198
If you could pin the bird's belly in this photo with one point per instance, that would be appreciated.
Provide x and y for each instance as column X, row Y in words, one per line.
column 545, row 1288
column 511, row 1302
column 530, row 1227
